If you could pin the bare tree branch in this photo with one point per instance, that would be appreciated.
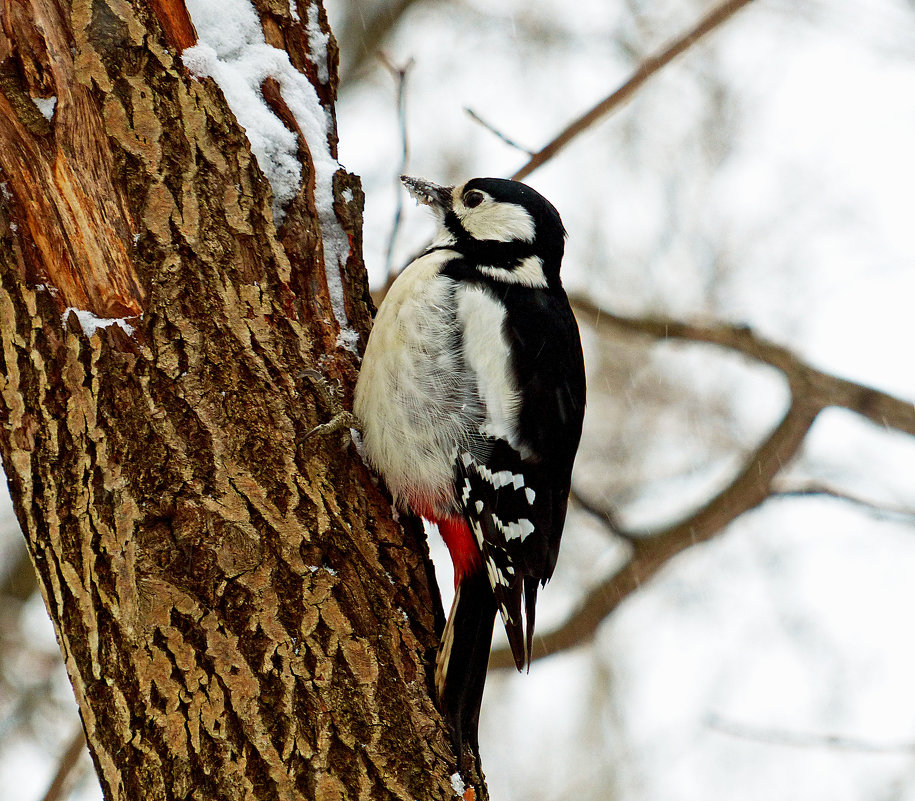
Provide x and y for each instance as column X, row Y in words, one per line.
column 607, row 517
column 367, row 34
column 66, row 770
column 811, row 391
column 815, row 489
column 496, row 132
column 17, row 578
column 400, row 77
column 828, row 390
column 835, row 742
column 718, row 15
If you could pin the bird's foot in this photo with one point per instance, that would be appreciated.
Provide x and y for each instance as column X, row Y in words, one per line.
column 342, row 419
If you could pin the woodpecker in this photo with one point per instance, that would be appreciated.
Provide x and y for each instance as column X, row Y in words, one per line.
column 471, row 397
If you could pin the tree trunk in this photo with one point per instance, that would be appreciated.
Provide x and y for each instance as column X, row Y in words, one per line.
column 240, row 616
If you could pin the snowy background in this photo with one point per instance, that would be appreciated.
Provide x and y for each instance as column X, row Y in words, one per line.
column 765, row 178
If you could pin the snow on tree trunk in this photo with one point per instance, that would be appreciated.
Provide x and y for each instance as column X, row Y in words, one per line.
column 181, row 297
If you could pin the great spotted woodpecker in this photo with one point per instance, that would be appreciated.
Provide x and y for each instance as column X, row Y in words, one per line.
column 471, row 398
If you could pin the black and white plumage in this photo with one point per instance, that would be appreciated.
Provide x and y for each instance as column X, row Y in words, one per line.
column 471, row 398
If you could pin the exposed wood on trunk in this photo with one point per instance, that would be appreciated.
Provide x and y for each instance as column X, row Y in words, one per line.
column 175, row 22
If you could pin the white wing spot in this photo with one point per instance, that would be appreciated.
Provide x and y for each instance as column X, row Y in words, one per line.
column 479, row 506
column 521, row 530
column 477, row 532
column 493, row 573
column 530, row 495
column 503, row 478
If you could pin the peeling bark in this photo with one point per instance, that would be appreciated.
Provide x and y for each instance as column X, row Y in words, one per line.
column 239, row 614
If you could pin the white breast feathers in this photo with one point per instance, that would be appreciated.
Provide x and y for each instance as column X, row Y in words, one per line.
column 413, row 396
column 435, row 380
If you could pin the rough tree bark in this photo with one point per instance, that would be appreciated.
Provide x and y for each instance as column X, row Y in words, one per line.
column 240, row 616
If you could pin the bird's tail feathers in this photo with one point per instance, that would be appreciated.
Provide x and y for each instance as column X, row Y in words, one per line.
column 508, row 600
column 460, row 669
column 518, row 630
column 531, row 586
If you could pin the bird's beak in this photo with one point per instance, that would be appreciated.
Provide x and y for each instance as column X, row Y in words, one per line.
column 428, row 193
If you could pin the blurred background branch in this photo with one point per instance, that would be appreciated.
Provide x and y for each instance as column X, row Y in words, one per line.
column 399, row 74
column 17, row 576
column 712, row 20
column 812, row 385
column 67, row 770
column 788, row 739
column 367, row 31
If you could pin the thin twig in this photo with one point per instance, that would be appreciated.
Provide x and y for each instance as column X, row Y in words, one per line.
column 646, row 70
column 805, row 740
column 400, row 76
column 493, row 130
column 67, row 768
column 366, row 35
column 607, row 517
column 817, row 490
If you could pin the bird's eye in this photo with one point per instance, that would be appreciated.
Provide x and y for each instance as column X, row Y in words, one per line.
column 473, row 199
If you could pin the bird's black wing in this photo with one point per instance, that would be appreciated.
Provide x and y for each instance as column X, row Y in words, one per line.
column 514, row 499
column 550, row 372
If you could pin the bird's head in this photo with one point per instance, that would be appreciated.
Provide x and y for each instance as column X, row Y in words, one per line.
column 507, row 230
